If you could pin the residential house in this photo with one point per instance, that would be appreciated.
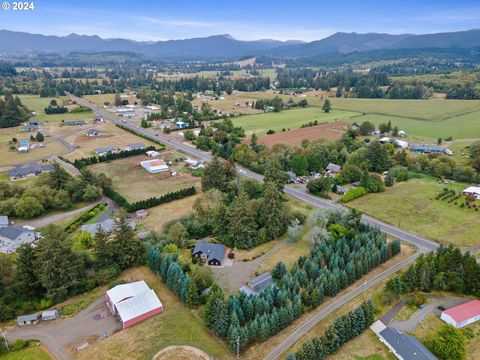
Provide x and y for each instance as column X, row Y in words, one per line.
column 193, row 164
column 23, row 146
column 154, row 166
column 3, row 221
column 11, row 237
column 104, row 151
column 258, row 284
column 292, row 177
column 462, row 315
column 426, row 149
column 152, row 153
column 94, row 132
column 141, row 214
column 30, row 127
column 472, row 191
column 213, row 254
column 74, row 123
column 403, row 346
column 107, row 226
column 333, row 169
column 136, row 146
column 21, row 173
column 401, row 143
column 384, row 140
column 27, row 319
column 182, row 124
column 133, row 302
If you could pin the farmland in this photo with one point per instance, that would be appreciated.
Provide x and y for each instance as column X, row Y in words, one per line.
column 177, row 325
column 133, row 182
column 331, row 131
column 411, row 205
column 290, row 119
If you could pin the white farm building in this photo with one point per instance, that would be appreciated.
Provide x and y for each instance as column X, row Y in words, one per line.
column 462, row 315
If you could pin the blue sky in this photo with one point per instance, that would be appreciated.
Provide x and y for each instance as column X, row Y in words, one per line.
column 246, row 20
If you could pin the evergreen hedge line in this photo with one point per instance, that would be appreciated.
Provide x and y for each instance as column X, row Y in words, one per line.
column 353, row 194
column 81, row 163
column 151, row 202
column 86, row 216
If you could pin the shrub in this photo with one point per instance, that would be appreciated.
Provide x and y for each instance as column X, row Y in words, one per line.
column 353, row 194
column 270, row 132
column 18, row 344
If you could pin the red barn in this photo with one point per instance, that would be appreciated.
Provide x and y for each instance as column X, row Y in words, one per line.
column 133, row 302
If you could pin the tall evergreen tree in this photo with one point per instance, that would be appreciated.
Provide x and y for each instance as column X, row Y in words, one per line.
column 242, row 227
column 272, row 212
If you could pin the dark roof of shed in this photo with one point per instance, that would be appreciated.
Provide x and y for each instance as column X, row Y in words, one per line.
column 407, row 346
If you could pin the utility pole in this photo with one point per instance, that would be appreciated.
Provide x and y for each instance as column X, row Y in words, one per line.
column 5, row 339
column 365, row 290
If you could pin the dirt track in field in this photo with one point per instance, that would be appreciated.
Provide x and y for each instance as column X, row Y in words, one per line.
column 329, row 131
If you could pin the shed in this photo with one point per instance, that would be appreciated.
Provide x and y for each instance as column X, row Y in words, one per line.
column 27, row 319
column 141, row 214
column 154, row 166
column 258, row 284
column 3, row 220
column 49, row 315
column 333, row 168
column 472, row 191
column 462, row 315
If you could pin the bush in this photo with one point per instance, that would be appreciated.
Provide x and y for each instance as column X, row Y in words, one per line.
column 18, row 344
column 353, row 194
column 270, row 132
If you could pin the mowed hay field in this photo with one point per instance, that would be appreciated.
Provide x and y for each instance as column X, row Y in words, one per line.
column 425, row 118
column 331, row 131
column 112, row 136
column 411, row 205
column 290, row 119
column 133, row 182
column 177, row 325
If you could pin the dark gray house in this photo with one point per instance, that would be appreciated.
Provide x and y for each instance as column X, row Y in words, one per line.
column 403, row 346
column 30, row 128
column 258, row 284
column 213, row 254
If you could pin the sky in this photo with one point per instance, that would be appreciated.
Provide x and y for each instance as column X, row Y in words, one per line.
column 246, row 20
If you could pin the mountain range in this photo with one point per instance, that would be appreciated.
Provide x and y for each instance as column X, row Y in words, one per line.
column 227, row 47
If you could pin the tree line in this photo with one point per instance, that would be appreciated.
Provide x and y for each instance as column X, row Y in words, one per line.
column 12, row 112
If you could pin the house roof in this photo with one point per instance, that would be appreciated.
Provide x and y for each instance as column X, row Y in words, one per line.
column 138, row 305
column 12, row 232
column 3, row 220
column 75, row 122
column 136, row 146
column 472, row 189
column 407, row 346
column 93, row 131
column 107, row 226
column 426, row 148
column 261, row 282
column 211, row 251
column 123, row 291
column 30, row 317
column 106, row 149
column 465, row 311
column 333, row 167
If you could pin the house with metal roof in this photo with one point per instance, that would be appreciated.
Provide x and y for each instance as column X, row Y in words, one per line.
column 49, row 315
column 94, row 132
column 462, row 315
column 74, row 122
column 213, row 254
column 29, row 128
column 258, row 284
column 107, row 226
column 154, row 166
column 103, row 151
column 403, row 346
column 27, row 319
column 133, row 302
column 20, row 173
column 136, row 146
column 427, row 149
column 333, row 169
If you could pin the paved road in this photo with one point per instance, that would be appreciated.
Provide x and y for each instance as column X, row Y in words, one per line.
column 423, row 244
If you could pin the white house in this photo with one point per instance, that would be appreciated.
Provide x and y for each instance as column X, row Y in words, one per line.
column 11, row 237
column 384, row 140
column 472, row 191
column 401, row 143
column 462, row 315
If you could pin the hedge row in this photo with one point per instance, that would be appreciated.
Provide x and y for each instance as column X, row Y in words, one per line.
column 151, row 202
column 81, row 163
column 353, row 194
column 86, row 216
column 141, row 135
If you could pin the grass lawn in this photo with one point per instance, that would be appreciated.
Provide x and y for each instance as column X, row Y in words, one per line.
column 177, row 325
column 32, row 352
column 133, row 182
column 161, row 214
column 458, row 147
column 100, row 99
column 290, row 119
column 112, row 136
column 11, row 157
column 411, row 205
column 430, row 325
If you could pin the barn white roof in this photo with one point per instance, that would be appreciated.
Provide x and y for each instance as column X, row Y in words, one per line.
column 138, row 305
column 124, row 291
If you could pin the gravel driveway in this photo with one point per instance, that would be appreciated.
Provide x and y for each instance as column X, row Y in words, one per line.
column 62, row 336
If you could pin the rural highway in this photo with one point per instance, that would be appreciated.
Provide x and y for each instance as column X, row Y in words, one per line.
column 421, row 243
